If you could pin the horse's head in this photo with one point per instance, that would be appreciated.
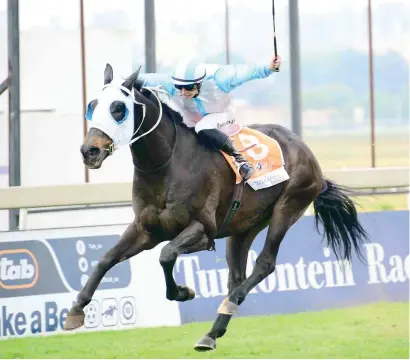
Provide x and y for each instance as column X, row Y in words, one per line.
column 112, row 119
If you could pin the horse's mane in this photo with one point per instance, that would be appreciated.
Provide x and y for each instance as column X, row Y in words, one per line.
column 169, row 113
column 172, row 114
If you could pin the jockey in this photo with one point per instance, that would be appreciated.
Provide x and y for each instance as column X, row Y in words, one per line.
column 201, row 94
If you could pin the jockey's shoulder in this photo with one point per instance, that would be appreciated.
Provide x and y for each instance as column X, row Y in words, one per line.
column 223, row 70
column 215, row 71
column 212, row 69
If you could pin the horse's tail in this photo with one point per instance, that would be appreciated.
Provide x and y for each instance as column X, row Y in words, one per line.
column 337, row 213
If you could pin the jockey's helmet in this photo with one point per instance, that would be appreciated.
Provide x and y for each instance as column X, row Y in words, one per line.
column 188, row 73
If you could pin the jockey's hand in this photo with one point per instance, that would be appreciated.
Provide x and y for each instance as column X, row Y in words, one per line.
column 275, row 63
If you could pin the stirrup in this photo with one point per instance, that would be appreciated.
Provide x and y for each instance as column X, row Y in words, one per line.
column 250, row 171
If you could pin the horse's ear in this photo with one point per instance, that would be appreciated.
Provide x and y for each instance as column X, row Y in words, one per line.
column 129, row 82
column 108, row 74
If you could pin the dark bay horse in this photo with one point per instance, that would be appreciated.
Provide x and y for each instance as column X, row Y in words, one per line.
column 182, row 191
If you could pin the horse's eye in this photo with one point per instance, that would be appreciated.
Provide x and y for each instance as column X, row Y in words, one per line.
column 118, row 111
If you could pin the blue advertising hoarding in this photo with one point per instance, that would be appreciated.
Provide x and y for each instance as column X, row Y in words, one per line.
column 40, row 278
column 42, row 271
column 307, row 275
column 56, row 265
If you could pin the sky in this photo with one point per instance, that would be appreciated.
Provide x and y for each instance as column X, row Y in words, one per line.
column 39, row 12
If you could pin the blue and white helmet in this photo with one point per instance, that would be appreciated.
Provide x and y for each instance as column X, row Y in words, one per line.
column 189, row 72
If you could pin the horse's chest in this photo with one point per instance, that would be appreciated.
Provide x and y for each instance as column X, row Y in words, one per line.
column 167, row 221
column 172, row 209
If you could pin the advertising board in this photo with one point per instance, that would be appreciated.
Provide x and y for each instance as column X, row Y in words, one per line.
column 41, row 273
column 307, row 275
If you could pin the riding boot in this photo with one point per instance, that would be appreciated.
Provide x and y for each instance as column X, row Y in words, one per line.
column 220, row 141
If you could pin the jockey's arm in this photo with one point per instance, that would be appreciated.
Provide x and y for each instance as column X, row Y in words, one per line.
column 153, row 79
column 230, row 77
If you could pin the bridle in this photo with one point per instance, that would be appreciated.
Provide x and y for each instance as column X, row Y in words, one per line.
column 153, row 91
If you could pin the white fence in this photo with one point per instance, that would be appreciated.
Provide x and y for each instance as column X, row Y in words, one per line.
column 110, row 193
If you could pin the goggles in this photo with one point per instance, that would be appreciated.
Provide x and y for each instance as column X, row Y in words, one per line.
column 188, row 87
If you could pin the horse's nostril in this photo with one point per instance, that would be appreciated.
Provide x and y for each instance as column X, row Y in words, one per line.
column 93, row 151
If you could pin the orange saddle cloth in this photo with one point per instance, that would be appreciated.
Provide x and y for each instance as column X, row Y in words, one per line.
column 264, row 153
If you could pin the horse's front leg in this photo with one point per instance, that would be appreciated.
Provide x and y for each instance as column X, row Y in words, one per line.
column 191, row 239
column 131, row 243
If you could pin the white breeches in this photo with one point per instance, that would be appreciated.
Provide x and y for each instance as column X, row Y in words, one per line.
column 215, row 121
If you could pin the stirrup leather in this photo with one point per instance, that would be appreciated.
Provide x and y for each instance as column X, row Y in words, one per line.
column 240, row 163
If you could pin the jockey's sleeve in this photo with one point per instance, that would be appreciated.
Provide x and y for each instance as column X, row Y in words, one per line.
column 153, row 79
column 229, row 77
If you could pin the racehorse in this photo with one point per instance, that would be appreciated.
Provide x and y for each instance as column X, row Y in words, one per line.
column 183, row 190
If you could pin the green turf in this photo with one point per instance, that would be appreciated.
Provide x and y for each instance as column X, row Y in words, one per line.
column 336, row 151
column 381, row 202
column 374, row 331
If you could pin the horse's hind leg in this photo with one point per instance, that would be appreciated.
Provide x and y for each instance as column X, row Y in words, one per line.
column 288, row 209
column 131, row 243
column 236, row 255
column 237, row 249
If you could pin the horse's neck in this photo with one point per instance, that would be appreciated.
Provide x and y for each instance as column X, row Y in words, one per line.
column 153, row 150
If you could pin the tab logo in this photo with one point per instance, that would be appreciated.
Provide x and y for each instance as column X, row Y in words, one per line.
column 18, row 269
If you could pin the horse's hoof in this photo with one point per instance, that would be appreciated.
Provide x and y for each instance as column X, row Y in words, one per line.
column 205, row 344
column 185, row 293
column 74, row 320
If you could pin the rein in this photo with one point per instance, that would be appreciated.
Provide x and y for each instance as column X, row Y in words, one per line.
column 163, row 166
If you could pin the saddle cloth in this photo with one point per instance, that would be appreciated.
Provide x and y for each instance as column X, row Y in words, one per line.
column 262, row 151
